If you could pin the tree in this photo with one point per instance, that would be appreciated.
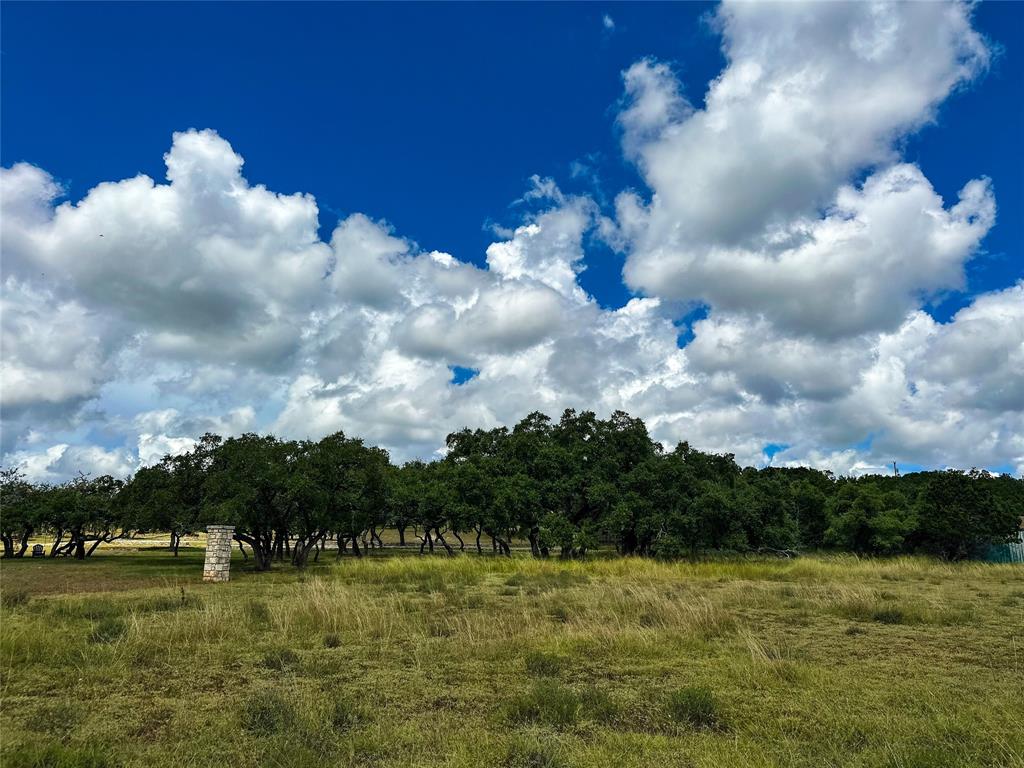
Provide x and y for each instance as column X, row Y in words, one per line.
column 244, row 487
column 959, row 514
column 864, row 518
column 20, row 515
column 84, row 510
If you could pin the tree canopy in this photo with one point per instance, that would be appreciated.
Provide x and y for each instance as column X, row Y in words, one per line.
column 561, row 488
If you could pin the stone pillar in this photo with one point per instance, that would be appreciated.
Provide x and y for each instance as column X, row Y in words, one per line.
column 218, row 552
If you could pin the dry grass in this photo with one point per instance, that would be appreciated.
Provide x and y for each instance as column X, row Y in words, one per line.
column 407, row 661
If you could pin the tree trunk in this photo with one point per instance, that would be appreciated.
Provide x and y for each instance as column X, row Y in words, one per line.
column 8, row 545
column 302, row 548
column 24, row 542
column 462, row 544
column 262, row 557
column 262, row 546
column 443, row 543
column 95, row 544
column 534, row 544
column 479, row 551
column 57, row 538
column 355, row 547
column 401, row 535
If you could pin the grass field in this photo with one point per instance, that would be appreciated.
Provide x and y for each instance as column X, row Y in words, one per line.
column 128, row 659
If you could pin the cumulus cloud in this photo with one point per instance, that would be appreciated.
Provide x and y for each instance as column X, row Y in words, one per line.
column 156, row 311
column 62, row 461
column 812, row 94
column 205, row 267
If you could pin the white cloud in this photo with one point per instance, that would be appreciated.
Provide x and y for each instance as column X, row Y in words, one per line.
column 61, row 462
column 210, row 304
column 812, row 94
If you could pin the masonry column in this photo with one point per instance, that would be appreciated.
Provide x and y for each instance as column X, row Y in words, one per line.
column 218, row 552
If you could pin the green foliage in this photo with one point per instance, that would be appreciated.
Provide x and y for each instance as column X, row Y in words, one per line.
column 867, row 519
column 960, row 513
column 569, row 487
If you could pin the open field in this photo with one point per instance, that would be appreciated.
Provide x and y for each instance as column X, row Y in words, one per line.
column 128, row 659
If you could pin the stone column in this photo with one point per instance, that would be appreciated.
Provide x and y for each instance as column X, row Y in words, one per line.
column 218, row 552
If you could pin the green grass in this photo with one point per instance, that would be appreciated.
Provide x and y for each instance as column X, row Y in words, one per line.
column 128, row 659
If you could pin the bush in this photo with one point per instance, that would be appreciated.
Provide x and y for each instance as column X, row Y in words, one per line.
column 267, row 712
column 107, row 630
column 694, row 707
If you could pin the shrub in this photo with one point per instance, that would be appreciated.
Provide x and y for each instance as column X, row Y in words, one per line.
column 693, row 706
column 267, row 712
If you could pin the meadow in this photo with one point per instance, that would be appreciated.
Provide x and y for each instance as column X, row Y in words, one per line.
column 128, row 659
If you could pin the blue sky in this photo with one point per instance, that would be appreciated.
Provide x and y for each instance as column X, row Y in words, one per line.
column 434, row 118
column 431, row 116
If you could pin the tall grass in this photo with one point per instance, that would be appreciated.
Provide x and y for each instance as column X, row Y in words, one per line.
column 409, row 661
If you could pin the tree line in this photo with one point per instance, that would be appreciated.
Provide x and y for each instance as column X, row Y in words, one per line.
column 564, row 488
